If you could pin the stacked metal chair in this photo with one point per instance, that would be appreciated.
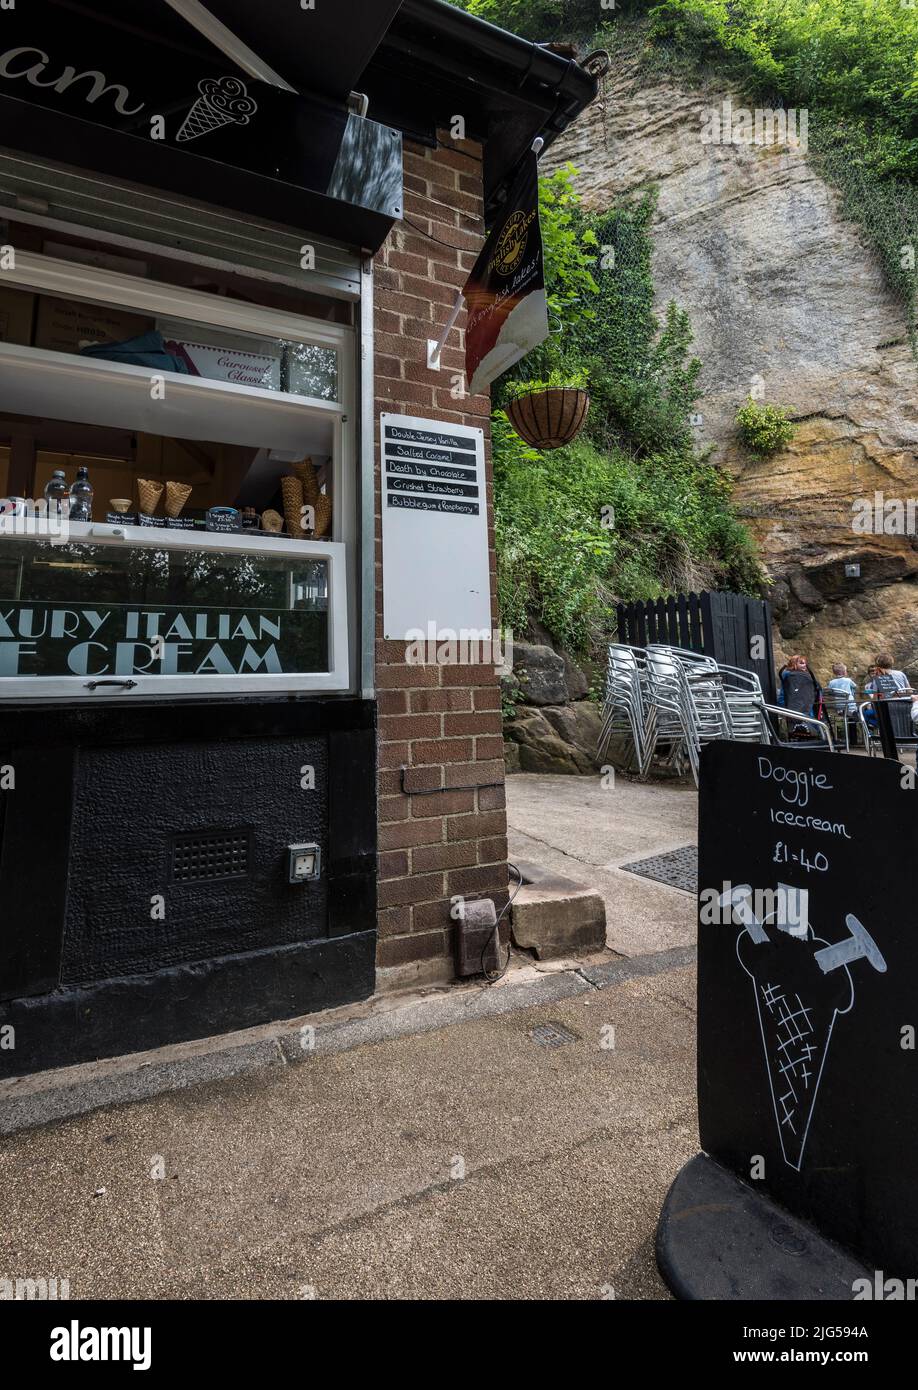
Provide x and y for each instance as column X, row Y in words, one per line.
column 666, row 703
column 746, row 702
column 625, row 715
column 687, row 692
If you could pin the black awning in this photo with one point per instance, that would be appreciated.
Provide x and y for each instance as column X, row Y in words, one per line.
column 419, row 61
column 323, row 50
column 146, row 103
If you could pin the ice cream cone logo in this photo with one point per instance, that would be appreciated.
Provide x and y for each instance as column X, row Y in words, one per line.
column 223, row 101
column 800, row 992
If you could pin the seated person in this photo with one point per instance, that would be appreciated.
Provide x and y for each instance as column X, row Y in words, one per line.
column 887, row 682
column 799, row 690
column 842, row 685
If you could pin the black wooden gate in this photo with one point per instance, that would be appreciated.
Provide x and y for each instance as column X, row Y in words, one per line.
column 732, row 628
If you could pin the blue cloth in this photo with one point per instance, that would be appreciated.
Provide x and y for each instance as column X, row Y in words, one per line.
column 149, row 350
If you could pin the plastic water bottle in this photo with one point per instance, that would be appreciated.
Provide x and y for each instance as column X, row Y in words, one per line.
column 81, row 494
column 57, row 494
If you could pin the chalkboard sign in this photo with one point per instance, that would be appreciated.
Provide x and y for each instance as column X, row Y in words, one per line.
column 808, row 988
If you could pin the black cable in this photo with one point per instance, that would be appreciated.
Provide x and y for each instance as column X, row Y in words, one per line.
column 430, row 237
column 493, row 979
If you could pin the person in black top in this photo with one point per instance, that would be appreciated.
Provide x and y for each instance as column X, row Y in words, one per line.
column 799, row 691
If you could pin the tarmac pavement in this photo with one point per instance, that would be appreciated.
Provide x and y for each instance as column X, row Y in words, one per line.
column 471, row 1161
column 437, row 1146
column 584, row 829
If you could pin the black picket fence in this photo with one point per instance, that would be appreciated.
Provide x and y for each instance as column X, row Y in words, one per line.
column 732, row 628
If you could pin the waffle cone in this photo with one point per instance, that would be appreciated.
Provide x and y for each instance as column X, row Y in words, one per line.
column 149, row 491
column 307, row 476
column 323, row 506
column 292, row 491
column 177, row 495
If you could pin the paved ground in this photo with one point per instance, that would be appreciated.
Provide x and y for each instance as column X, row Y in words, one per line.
column 577, row 827
column 343, row 1174
column 427, row 1148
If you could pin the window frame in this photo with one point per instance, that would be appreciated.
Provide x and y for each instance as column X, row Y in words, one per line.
column 39, row 274
column 336, row 678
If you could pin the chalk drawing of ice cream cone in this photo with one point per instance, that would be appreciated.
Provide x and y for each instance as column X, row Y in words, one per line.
column 223, row 101
column 802, row 985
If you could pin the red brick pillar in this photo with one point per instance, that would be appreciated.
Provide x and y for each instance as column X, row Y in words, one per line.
column 443, row 829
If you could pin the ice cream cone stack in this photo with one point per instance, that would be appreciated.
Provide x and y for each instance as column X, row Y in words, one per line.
column 323, row 509
column 292, row 491
column 177, row 495
column 307, row 476
column 149, row 491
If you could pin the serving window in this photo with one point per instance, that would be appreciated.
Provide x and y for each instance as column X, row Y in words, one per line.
column 214, row 431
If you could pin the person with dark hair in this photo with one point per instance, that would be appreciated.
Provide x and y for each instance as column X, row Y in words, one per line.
column 887, row 681
column 799, row 690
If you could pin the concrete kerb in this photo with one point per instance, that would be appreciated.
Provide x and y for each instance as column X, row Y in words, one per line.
column 29, row 1101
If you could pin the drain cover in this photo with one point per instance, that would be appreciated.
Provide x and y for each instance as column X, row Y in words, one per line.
column 552, row 1035
column 678, row 869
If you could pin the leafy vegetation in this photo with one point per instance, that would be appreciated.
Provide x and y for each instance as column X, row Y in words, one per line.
column 852, row 64
column 577, row 379
column 764, row 428
column 630, row 509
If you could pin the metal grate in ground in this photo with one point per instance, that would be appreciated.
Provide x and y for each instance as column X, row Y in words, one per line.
column 677, row 869
column 552, row 1035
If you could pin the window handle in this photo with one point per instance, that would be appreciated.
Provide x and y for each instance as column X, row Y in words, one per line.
column 94, row 685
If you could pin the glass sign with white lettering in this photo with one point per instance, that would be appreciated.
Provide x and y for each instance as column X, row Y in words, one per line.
column 125, row 611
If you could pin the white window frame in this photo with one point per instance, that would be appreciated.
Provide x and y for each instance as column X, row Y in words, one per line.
column 336, row 678
column 282, row 413
column 72, row 280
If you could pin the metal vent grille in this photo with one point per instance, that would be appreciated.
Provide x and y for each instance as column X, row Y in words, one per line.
column 678, row 869
column 210, row 855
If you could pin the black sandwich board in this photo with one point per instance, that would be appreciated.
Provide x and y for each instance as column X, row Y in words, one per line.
column 807, row 1022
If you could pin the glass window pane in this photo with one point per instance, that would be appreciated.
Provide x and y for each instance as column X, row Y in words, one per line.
column 81, row 609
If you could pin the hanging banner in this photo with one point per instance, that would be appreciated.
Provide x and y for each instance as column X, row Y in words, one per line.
column 505, row 293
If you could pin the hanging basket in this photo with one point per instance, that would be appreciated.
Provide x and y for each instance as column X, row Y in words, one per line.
column 549, row 419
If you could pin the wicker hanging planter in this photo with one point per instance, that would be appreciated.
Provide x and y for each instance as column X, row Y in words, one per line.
column 549, row 419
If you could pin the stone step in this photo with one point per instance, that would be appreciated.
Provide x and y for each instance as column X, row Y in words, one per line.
column 555, row 917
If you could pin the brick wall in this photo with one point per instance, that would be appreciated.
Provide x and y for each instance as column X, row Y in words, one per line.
column 443, row 827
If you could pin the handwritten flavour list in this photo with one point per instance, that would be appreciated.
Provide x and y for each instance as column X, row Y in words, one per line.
column 435, row 536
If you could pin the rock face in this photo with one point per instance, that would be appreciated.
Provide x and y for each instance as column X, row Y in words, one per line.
column 555, row 728
column 788, row 303
column 540, row 673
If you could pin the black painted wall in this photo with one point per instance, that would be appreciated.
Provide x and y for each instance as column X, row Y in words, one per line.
column 107, row 945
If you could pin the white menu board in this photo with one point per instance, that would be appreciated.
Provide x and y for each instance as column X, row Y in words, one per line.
column 435, row 528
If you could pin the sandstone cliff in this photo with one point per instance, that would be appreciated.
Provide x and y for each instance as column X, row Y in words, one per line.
column 784, row 297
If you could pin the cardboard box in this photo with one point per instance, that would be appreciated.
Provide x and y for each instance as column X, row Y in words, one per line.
column 222, row 356
column 65, row 325
column 17, row 309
